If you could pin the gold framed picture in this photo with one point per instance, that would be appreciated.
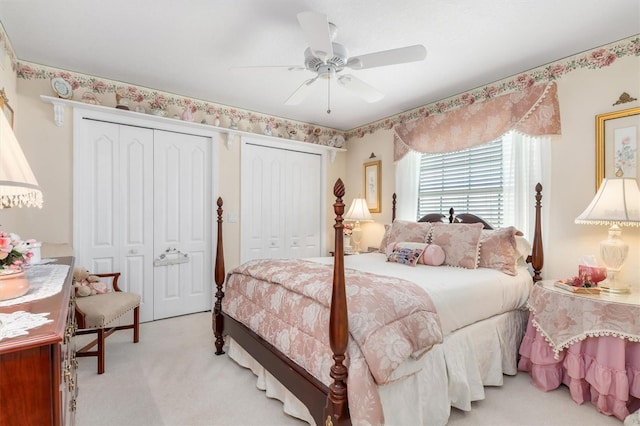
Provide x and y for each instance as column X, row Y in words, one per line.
column 617, row 135
column 6, row 109
column 373, row 185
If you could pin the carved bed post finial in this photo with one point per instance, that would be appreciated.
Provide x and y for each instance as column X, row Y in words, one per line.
column 451, row 215
column 218, row 319
column 393, row 207
column 537, row 253
column 337, row 409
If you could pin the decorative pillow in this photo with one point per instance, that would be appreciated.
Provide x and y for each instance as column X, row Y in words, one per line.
column 405, row 253
column 407, row 231
column 433, row 255
column 498, row 250
column 523, row 246
column 385, row 239
column 460, row 242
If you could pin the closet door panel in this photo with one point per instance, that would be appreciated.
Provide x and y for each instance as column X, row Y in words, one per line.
column 182, row 223
column 252, row 186
column 139, row 191
column 280, row 202
column 274, row 201
column 136, row 211
column 263, row 218
column 96, row 239
column 303, row 198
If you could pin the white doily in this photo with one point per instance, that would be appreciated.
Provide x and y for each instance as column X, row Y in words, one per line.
column 44, row 281
column 17, row 323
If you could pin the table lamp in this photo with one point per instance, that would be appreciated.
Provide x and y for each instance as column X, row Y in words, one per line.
column 18, row 185
column 616, row 203
column 358, row 212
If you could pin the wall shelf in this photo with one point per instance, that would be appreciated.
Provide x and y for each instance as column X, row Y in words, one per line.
column 59, row 106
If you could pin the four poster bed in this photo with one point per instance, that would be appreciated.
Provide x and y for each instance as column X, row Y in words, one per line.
column 405, row 355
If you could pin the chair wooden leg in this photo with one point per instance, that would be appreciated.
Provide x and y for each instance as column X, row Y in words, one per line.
column 101, row 350
column 136, row 324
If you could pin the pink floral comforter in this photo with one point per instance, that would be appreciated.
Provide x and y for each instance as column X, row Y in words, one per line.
column 286, row 301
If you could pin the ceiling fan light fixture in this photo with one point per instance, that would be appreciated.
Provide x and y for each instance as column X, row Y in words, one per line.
column 326, row 72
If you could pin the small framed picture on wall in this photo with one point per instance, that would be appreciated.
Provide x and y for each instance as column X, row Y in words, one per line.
column 373, row 185
column 617, row 137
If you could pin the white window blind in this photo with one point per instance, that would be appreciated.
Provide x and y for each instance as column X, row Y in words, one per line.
column 470, row 181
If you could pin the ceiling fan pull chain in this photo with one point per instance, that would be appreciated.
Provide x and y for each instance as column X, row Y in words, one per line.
column 328, row 96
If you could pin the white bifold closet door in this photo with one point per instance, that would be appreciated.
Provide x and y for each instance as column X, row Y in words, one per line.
column 280, row 203
column 142, row 193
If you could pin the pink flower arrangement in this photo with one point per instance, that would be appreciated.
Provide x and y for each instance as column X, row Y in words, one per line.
column 13, row 252
column 348, row 229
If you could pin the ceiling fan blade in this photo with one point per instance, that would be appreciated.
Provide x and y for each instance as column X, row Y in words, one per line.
column 360, row 88
column 315, row 27
column 388, row 57
column 301, row 92
column 269, row 67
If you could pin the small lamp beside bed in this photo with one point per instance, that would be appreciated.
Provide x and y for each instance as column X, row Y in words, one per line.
column 616, row 203
column 358, row 212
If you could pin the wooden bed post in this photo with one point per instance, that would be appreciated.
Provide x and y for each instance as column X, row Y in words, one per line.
column 218, row 319
column 393, row 207
column 336, row 411
column 537, row 253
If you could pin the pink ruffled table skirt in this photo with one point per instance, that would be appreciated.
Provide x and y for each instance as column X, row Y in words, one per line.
column 604, row 370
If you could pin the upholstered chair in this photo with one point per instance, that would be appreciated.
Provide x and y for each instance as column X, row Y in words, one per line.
column 101, row 314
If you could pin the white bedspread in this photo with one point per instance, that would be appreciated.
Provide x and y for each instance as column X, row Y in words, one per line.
column 461, row 296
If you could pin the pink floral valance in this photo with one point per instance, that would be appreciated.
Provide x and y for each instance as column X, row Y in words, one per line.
column 533, row 111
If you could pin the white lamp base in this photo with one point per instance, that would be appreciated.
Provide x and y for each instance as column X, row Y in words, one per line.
column 356, row 237
column 614, row 252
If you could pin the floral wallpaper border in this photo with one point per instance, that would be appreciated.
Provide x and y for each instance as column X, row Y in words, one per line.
column 207, row 112
column 597, row 58
column 110, row 93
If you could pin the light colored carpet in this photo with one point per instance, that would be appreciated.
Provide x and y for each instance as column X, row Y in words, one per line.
column 171, row 377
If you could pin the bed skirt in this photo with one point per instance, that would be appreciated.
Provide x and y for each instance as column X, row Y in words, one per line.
column 452, row 374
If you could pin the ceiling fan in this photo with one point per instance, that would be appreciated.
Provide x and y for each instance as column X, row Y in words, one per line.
column 328, row 60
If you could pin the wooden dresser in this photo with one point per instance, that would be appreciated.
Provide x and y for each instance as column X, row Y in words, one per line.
column 38, row 382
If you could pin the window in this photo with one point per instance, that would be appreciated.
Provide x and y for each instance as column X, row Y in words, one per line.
column 469, row 181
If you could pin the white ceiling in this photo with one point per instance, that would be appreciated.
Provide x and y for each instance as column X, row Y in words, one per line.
column 187, row 47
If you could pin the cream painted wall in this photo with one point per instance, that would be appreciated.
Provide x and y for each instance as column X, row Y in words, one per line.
column 582, row 94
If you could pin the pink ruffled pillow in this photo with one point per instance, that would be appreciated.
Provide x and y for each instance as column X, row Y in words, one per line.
column 498, row 250
column 460, row 242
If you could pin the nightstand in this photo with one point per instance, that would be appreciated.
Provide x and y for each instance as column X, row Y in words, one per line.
column 590, row 342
